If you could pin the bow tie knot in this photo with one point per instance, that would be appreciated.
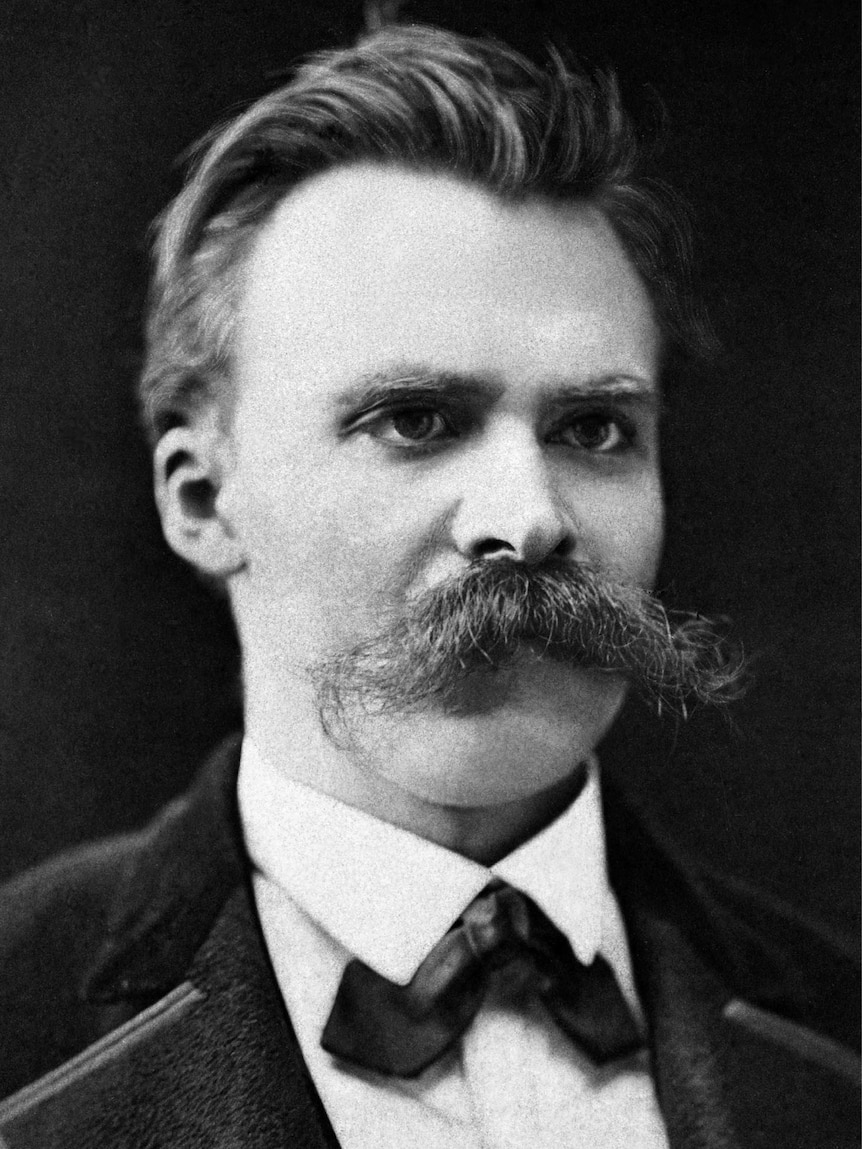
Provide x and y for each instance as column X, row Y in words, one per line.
column 401, row 1030
column 494, row 921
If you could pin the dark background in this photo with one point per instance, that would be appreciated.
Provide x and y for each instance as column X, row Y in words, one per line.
column 115, row 665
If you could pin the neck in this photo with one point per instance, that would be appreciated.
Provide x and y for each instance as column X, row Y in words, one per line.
column 368, row 774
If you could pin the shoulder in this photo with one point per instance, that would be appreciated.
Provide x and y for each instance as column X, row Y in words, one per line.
column 797, row 963
column 95, row 935
column 66, row 890
column 53, row 920
column 764, row 949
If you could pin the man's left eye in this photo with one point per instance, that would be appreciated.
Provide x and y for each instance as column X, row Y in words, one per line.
column 599, row 433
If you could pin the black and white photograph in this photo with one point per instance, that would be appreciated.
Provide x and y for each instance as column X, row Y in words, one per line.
column 429, row 677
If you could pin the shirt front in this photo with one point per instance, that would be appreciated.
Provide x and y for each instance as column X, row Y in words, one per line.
column 332, row 883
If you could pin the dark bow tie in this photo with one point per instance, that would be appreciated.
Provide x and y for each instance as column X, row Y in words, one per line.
column 401, row 1030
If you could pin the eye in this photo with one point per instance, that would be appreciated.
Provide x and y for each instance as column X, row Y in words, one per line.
column 410, row 425
column 598, row 431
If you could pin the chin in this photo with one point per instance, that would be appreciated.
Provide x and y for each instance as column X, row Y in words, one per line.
column 491, row 750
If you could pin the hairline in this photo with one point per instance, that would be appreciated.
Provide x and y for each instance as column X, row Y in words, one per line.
column 570, row 141
column 242, row 250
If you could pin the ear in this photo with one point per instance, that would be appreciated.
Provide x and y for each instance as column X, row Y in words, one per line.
column 191, row 466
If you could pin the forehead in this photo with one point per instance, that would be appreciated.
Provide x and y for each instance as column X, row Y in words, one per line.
column 366, row 266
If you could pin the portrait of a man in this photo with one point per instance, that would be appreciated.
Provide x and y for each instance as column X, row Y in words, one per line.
column 417, row 320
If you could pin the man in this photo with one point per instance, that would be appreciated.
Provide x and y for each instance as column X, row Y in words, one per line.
column 411, row 318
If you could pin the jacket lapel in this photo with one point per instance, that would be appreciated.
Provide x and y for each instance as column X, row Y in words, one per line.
column 208, row 1057
column 732, row 1075
column 212, row 1063
column 205, row 1054
column 736, row 1066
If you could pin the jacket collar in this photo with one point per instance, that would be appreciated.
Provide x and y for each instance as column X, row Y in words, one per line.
column 181, row 873
column 190, row 861
column 759, row 948
column 728, row 1074
column 187, row 864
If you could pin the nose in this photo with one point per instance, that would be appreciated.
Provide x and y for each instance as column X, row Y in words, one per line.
column 509, row 507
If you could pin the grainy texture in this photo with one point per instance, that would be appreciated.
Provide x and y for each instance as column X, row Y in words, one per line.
column 226, row 1070
column 115, row 665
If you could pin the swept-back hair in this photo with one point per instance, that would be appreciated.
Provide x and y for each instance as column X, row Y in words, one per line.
column 421, row 98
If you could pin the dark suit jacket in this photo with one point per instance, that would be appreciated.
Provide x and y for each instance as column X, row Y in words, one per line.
column 139, row 1007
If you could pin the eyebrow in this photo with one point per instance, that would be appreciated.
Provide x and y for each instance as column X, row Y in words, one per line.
column 375, row 388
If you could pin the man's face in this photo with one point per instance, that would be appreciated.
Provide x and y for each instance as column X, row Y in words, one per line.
column 427, row 376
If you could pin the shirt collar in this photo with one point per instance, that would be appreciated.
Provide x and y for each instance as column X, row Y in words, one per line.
column 387, row 895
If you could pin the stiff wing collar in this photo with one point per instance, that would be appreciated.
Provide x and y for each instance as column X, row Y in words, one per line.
column 387, row 895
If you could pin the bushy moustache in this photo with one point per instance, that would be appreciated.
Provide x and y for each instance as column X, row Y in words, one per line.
column 479, row 621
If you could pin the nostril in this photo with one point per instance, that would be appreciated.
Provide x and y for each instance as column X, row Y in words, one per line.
column 565, row 547
column 487, row 548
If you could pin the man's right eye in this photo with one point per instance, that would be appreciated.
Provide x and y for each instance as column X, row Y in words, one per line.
column 410, row 426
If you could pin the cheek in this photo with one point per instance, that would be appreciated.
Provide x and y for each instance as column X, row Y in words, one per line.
column 622, row 529
column 327, row 539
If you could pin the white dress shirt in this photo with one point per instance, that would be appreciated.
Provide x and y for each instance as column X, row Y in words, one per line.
column 332, row 883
